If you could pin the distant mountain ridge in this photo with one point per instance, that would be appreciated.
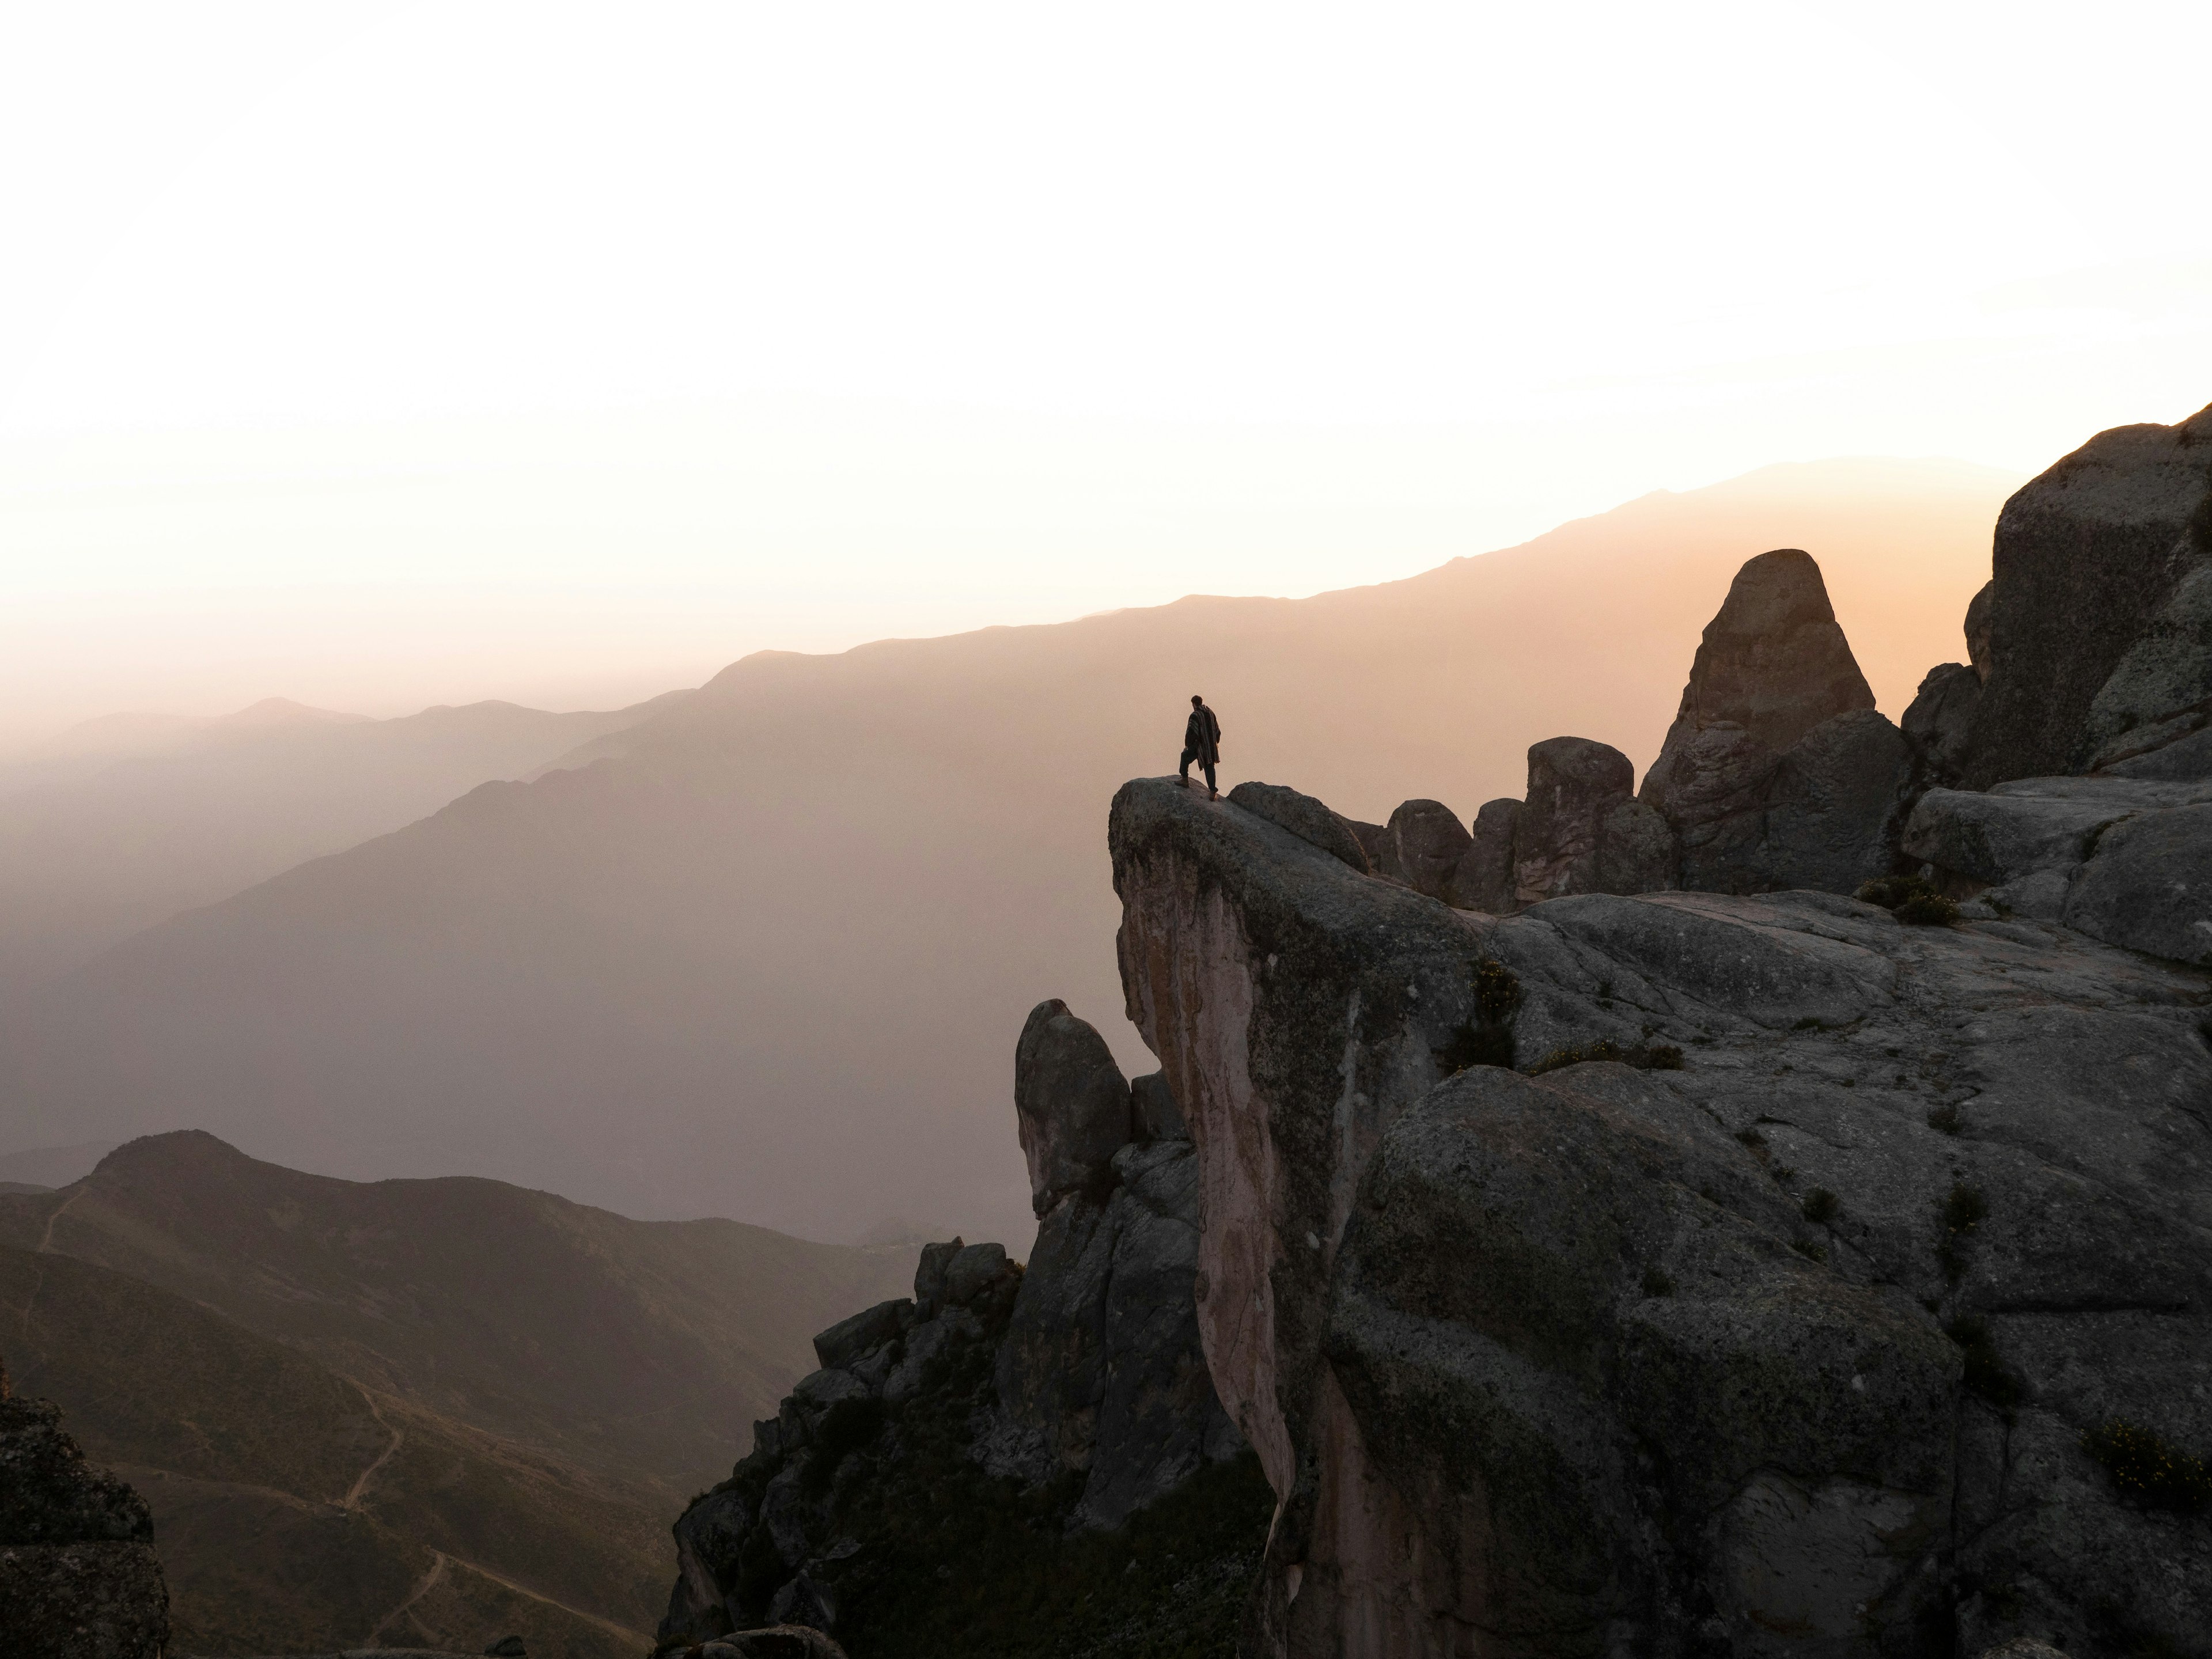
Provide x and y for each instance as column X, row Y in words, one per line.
column 125, row 821
column 750, row 957
column 476, row 1403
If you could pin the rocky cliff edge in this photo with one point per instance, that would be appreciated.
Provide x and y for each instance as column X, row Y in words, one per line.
column 1685, row 1273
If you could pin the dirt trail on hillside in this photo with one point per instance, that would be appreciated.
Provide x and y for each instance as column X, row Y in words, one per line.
column 352, row 1499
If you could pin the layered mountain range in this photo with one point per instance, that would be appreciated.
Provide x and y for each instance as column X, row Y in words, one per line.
column 122, row 822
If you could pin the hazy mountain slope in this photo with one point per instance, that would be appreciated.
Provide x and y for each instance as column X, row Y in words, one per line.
column 294, row 1511
column 637, row 1348
column 769, row 958
column 129, row 826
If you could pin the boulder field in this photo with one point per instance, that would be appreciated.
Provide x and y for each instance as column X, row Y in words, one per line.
column 1766, row 1213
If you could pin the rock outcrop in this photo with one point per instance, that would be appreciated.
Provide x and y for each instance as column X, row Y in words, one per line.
column 977, row 1427
column 1777, row 772
column 1427, row 843
column 2095, row 600
column 1819, row 1283
column 1774, row 660
column 1100, row 1376
column 2127, row 861
column 78, row 1577
column 1071, row 1103
column 1574, row 787
column 1484, row 880
column 1310, row 820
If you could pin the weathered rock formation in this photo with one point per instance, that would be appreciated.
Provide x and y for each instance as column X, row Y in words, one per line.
column 1777, row 772
column 1832, row 1286
column 2097, row 611
column 2127, row 861
column 1071, row 1102
column 1068, row 1398
column 1310, row 820
column 78, row 1578
column 1427, row 842
column 1101, row 1375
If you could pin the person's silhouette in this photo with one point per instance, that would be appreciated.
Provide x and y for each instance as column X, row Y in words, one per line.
column 1201, row 742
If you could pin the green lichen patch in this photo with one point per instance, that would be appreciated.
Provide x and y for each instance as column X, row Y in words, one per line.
column 2148, row 1469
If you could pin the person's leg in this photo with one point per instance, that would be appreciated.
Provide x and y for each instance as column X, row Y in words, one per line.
column 1209, row 787
column 1183, row 772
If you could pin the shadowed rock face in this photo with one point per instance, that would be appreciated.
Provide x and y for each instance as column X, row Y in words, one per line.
column 1100, row 1374
column 1793, row 1349
column 1071, row 1103
column 2086, row 556
column 1429, row 841
column 1574, row 785
column 1074, row 1392
column 1484, row 880
column 78, row 1579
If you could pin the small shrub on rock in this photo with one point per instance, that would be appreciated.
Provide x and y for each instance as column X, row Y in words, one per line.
column 1821, row 1207
column 1946, row 1119
column 1487, row 1039
column 1811, row 1249
column 1910, row 899
column 2145, row 1468
column 1643, row 1056
column 1928, row 910
column 1890, row 892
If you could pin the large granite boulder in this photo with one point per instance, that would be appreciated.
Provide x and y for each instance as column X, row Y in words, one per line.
column 78, row 1577
column 2127, row 861
column 1484, row 880
column 1834, row 807
column 1428, row 841
column 1824, row 1291
column 1304, row 817
column 1574, row 785
column 1939, row 719
column 1071, row 1103
column 2161, row 691
column 2086, row 558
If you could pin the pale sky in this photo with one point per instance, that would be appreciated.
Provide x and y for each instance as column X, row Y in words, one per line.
column 377, row 355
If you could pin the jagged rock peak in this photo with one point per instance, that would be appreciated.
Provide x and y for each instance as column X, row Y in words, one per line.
column 1774, row 660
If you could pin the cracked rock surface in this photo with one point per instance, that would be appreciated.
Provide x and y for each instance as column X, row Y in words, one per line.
column 1793, row 1336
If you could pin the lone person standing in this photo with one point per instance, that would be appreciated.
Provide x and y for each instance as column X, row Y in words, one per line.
column 1201, row 742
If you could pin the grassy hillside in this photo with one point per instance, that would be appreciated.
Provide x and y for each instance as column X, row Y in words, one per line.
column 643, row 1350
column 295, row 1509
